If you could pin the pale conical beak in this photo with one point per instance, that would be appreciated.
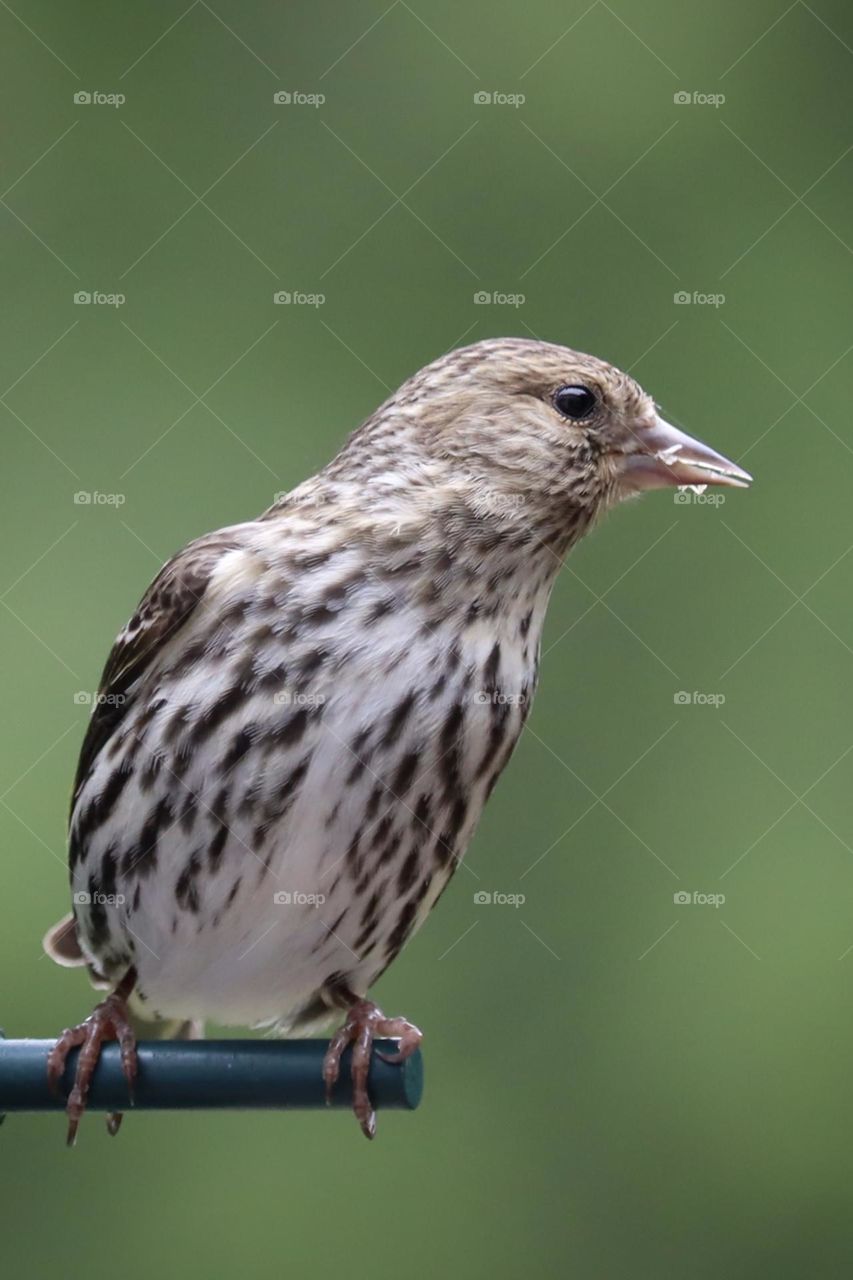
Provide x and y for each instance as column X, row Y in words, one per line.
column 667, row 456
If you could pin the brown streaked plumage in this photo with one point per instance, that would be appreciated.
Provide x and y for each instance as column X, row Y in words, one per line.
column 301, row 723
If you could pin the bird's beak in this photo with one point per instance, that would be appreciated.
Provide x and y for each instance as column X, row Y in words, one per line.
column 666, row 456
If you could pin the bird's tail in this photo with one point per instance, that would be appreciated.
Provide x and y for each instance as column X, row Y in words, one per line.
column 62, row 944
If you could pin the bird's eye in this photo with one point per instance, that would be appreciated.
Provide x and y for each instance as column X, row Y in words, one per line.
column 575, row 402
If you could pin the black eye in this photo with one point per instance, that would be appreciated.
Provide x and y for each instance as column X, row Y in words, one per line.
column 575, row 402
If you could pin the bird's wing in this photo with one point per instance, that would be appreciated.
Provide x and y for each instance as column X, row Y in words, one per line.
column 167, row 605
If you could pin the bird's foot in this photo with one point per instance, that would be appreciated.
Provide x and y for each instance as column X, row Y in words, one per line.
column 109, row 1020
column 363, row 1024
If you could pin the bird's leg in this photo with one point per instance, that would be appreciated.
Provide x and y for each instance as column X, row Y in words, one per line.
column 109, row 1020
column 364, row 1022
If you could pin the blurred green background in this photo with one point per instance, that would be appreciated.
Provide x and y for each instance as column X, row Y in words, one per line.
column 618, row 1084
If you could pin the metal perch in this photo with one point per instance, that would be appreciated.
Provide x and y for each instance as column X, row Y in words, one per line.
column 194, row 1075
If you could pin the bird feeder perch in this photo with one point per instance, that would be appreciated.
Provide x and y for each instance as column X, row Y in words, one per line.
column 194, row 1075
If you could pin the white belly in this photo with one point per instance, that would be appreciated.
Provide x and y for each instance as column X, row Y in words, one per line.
column 268, row 870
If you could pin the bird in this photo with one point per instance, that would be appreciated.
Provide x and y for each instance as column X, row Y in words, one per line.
column 297, row 730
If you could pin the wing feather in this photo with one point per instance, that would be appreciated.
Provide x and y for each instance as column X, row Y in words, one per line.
column 168, row 604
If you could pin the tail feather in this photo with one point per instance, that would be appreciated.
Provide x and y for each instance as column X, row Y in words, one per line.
column 62, row 944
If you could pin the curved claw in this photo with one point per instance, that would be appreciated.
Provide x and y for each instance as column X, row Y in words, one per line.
column 109, row 1020
column 393, row 1058
column 408, row 1036
column 365, row 1021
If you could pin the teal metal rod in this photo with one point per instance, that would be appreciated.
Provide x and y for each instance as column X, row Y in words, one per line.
column 207, row 1074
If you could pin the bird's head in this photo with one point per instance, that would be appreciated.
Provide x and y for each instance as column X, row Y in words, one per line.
column 529, row 431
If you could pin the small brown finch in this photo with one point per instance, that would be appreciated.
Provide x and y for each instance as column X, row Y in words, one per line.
column 298, row 728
